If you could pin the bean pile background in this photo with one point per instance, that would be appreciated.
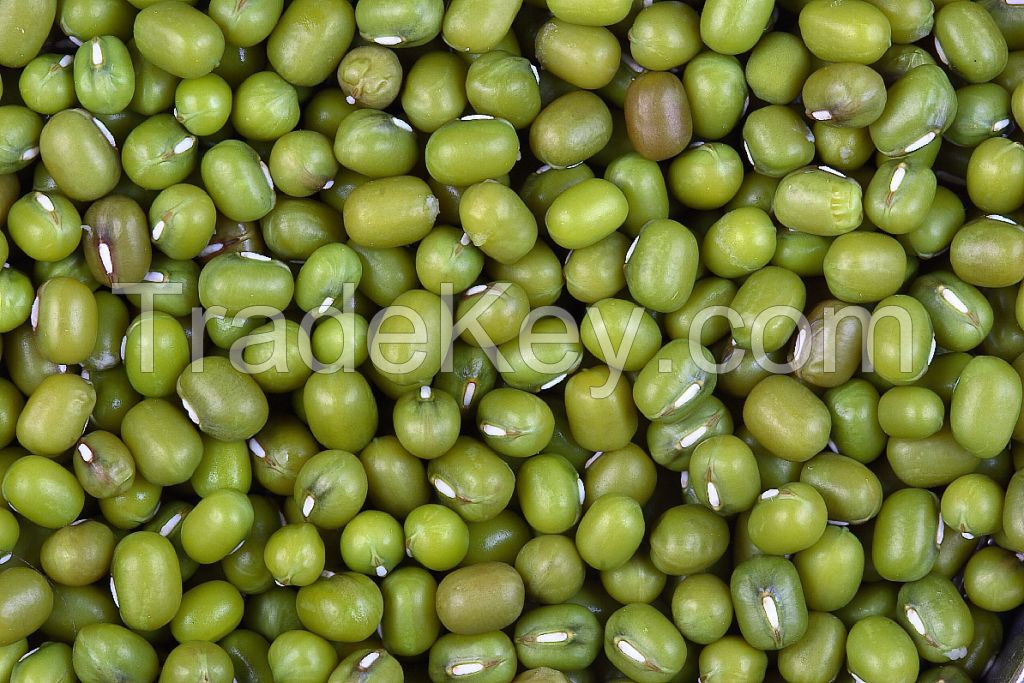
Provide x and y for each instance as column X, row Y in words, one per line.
column 493, row 341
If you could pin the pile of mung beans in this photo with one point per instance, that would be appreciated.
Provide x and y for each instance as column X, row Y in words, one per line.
column 484, row 341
